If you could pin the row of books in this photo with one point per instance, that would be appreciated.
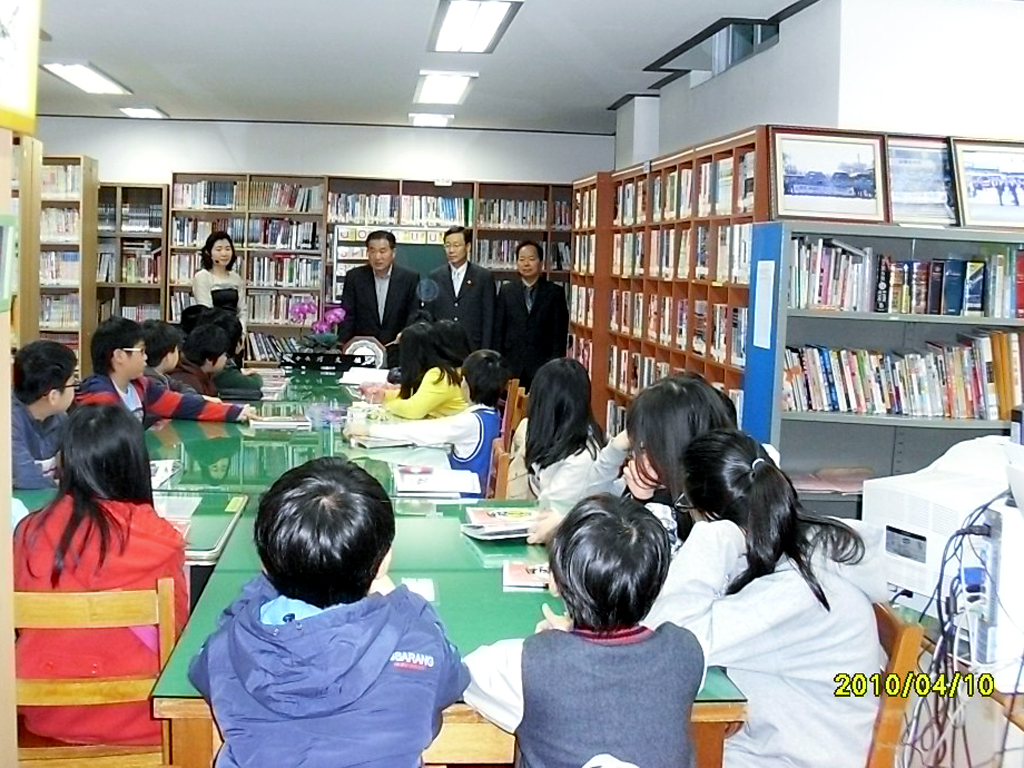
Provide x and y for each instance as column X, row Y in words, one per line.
column 208, row 194
column 501, row 254
column 283, row 233
column 286, row 272
column 979, row 377
column 266, row 347
column 65, row 339
column 274, row 308
column 629, row 372
column 513, row 214
column 829, row 274
column 431, row 211
column 561, row 214
column 182, row 267
column 60, row 268
column 584, row 255
column 141, row 218
column 60, row 311
column 668, row 254
column 282, row 196
column 188, row 232
column 585, row 209
column 581, row 349
column 59, row 225
column 138, row 313
column 61, row 182
column 581, row 305
column 177, row 302
column 363, row 208
column 136, row 267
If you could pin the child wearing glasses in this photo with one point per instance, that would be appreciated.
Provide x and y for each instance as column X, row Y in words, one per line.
column 119, row 367
column 44, row 388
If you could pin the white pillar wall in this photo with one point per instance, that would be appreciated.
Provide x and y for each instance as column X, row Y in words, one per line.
column 637, row 127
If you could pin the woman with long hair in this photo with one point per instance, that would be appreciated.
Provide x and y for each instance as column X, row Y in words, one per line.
column 218, row 283
column 100, row 533
column 781, row 597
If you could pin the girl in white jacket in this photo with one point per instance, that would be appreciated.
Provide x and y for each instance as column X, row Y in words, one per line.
column 782, row 599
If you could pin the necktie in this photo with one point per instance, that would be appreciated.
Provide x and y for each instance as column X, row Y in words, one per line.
column 529, row 299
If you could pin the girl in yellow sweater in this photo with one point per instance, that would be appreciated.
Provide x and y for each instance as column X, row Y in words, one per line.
column 430, row 385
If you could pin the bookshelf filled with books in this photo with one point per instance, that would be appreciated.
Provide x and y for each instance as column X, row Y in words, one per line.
column 674, row 284
column 882, row 345
column 26, row 168
column 277, row 224
column 130, row 265
column 66, row 265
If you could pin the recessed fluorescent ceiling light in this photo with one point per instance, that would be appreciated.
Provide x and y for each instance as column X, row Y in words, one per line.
column 86, row 77
column 443, row 87
column 147, row 113
column 429, row 119
column 472, row 26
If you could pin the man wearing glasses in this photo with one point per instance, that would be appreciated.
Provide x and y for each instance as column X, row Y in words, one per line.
column 44, row 387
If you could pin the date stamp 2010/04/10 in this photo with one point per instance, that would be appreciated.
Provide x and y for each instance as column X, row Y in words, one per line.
column 877, row 683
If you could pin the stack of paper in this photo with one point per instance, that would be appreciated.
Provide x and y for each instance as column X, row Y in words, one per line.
column 281, row 422
column 162, row 470
column 427, row 481
column 498, row 522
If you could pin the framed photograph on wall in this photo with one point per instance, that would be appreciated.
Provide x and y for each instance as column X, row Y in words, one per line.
column 828, row 176
column 990, row 178
column 921, row 188
column 8, row 259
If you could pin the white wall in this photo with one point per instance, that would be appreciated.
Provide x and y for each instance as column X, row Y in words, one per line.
column 795, row 82
column 945, row 67
column 148, row 151
column 637, row 126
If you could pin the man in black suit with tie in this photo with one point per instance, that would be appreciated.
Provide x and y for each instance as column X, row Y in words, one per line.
column 532, row 321
column 465, row 291
column 380, row 296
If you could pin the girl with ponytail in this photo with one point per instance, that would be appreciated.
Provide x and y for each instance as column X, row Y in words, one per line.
column 781, row 597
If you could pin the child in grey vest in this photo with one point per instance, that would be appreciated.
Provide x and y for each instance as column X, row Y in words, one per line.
column 607, row 691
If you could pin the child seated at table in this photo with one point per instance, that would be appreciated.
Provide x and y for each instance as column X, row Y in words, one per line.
column 231, row 382
column 471, row 432
column 44, row 379
column 321, row 661
column 607, row 689
column 119, row 363
column 430, row 383
column 203, row 355
column 163, row 351
column 781, row 597
column 101, row 533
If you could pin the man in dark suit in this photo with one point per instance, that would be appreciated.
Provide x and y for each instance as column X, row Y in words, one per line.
column 531, row 325
column 465, row 291
column 380, row 296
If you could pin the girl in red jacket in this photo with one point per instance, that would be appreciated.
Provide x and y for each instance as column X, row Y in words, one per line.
column 100, row 533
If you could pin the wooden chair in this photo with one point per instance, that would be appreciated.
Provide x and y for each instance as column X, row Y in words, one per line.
column 511, row 396
column 518, row 412
column 497, row 478
column 93, row 610
column 902, row 643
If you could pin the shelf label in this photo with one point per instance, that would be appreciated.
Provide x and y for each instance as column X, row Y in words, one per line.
column 764, row 293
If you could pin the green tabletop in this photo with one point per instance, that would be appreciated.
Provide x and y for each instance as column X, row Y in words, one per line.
column 465, row 576
column 209, row 528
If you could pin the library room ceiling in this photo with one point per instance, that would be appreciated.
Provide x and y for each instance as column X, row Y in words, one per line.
column 559, row 67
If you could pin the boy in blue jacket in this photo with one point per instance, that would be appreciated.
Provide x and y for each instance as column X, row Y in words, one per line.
column 321, row 661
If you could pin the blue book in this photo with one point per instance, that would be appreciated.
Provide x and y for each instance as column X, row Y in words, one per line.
column 953, row 286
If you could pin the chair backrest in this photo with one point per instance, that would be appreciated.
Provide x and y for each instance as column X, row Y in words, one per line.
column 497, row 478
column 902, row 644
column 94, row 610
column 518, row 412
column 509, row 409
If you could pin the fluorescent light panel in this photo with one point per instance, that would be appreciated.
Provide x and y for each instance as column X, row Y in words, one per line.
column 429, row 119
column 87, row 78
column 472, row 26
column 443, row 87
column 145, row 113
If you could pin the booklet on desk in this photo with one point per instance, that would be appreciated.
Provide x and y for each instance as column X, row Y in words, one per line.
column 519, row 576
column 368, row 441
column 492, row 523
column 162, row 470
column 427, row 481
column 358, row 376
column 300, row 423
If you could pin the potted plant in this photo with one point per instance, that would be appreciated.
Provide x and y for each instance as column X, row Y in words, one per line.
column 320, row 346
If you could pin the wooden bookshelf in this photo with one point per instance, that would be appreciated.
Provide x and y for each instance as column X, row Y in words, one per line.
column 27, row 161
column 671, row 280
column 68, row 241
column 131, row 272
